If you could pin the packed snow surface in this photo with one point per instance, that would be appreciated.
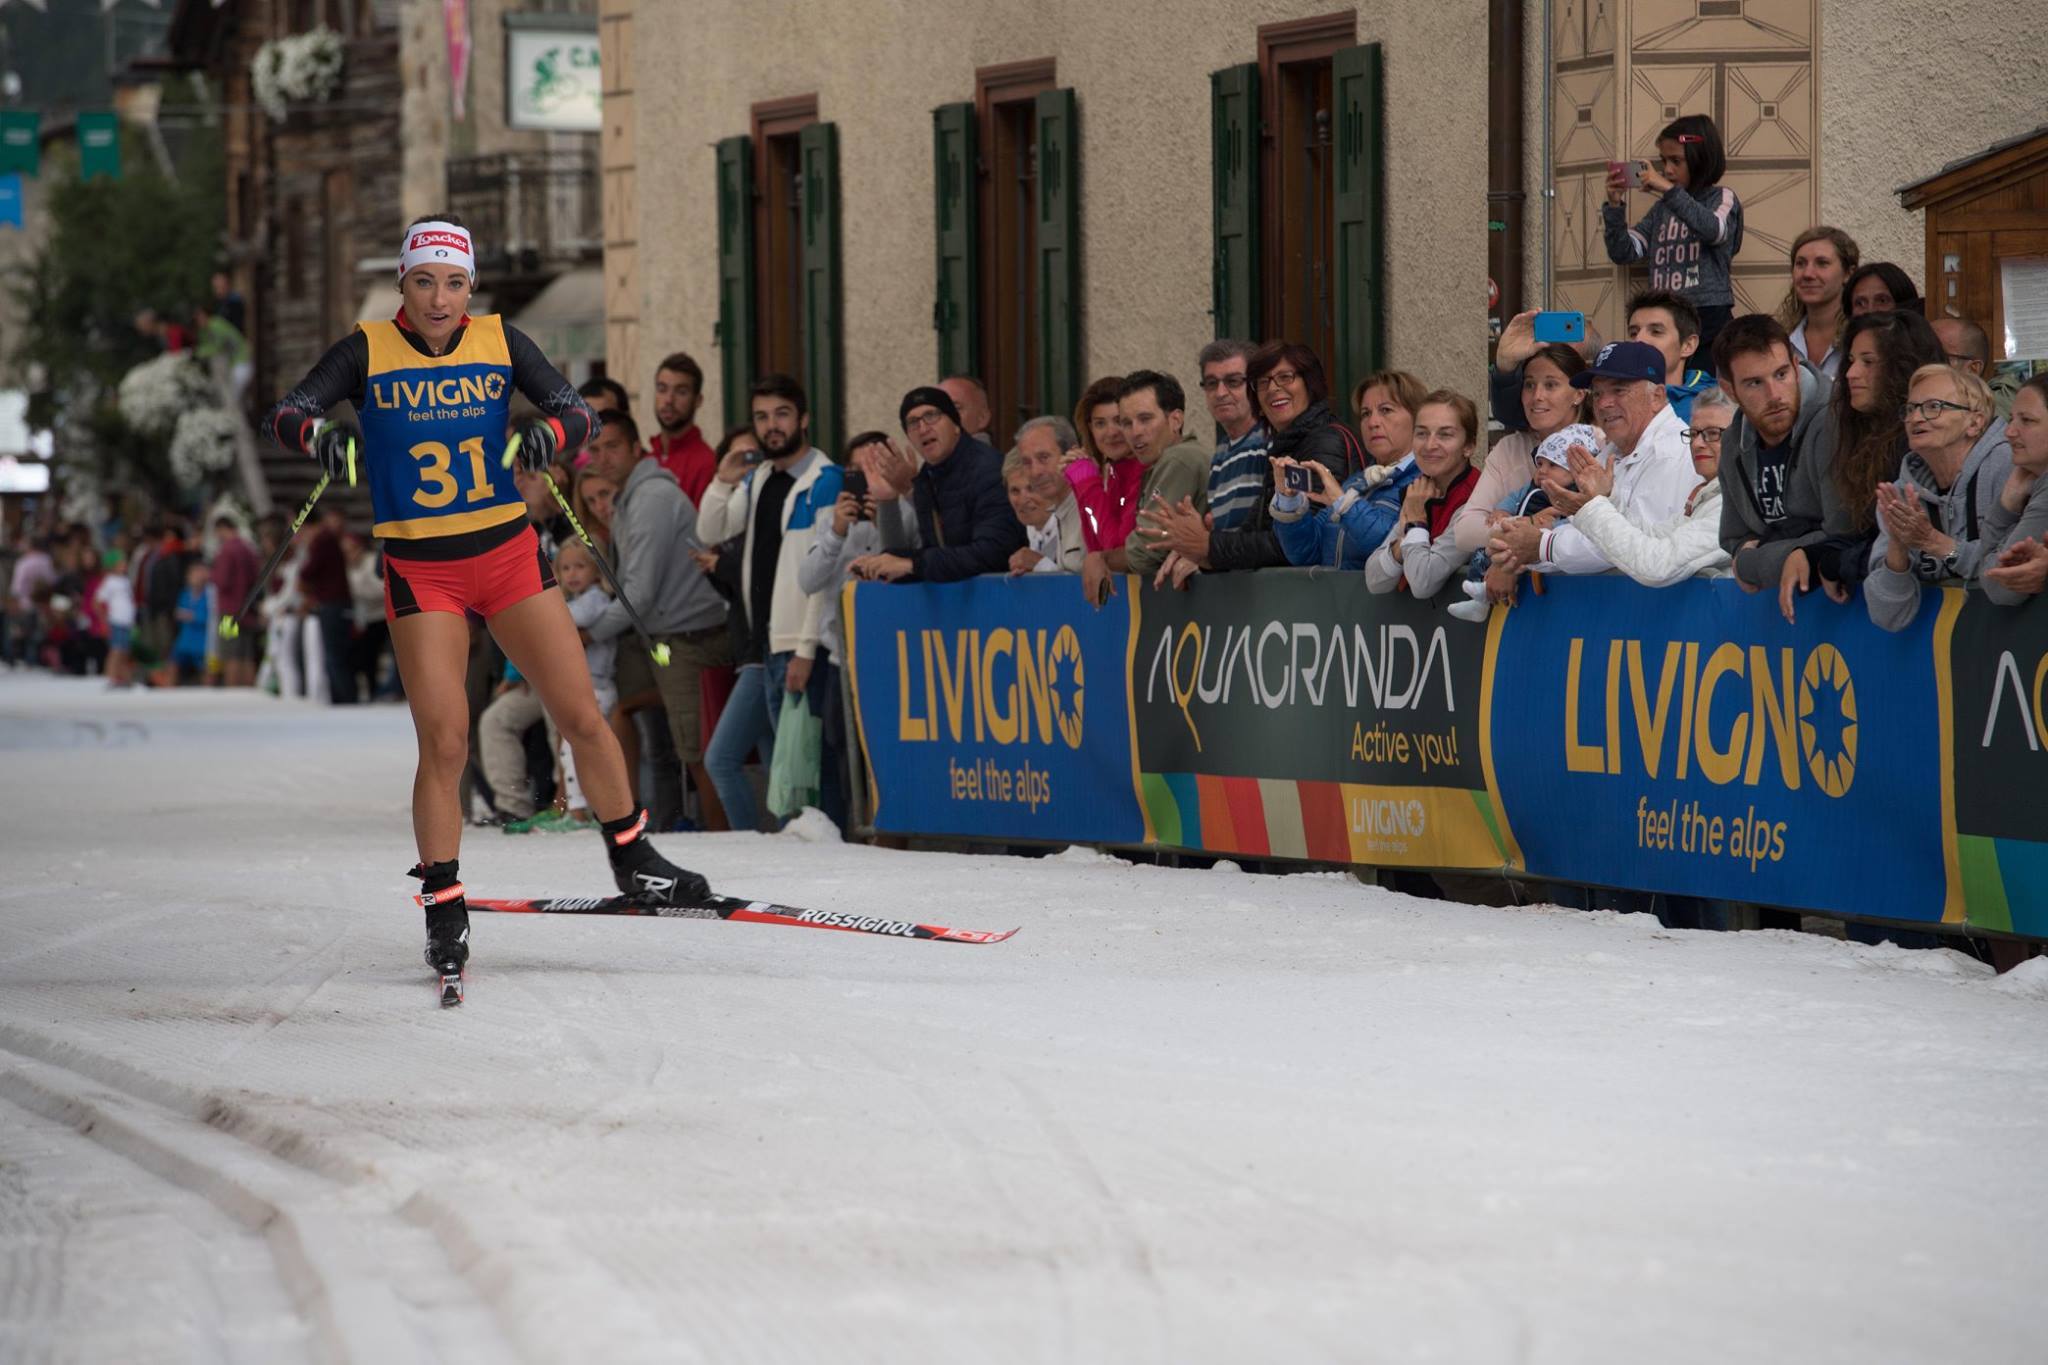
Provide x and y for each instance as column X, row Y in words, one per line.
column 1181, row 1116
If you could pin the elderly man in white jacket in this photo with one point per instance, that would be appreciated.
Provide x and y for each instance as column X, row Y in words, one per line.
column 1645, row 457
column 1663, row 555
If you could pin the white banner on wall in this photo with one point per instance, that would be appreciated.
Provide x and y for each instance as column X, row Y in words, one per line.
column 551, row 79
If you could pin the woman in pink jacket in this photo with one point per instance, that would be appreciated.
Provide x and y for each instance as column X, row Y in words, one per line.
column 1106, row 483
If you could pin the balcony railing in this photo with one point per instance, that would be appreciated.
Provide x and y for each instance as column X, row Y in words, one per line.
column 529, row 212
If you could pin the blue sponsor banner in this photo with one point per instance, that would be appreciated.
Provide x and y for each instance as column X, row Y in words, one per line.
column 995, row 707
column 1688, row 740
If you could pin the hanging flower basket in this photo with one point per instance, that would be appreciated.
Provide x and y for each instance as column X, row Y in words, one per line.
column 156, row 393
column 304, row 68
column 202, row 445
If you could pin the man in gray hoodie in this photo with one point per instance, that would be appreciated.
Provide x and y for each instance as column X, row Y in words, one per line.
column 654, row 528
column 1776, row 496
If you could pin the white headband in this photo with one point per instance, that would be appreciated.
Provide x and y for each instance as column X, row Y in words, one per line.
column 437, row 244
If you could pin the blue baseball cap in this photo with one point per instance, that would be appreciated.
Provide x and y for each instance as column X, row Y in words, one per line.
column 1623, row 360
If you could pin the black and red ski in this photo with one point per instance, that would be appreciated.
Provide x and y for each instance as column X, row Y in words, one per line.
column 734, row 908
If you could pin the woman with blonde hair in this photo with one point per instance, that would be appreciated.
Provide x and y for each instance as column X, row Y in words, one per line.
column 1385, row 404
column 1817, row 304
column 592, row 499
column 1931, row 518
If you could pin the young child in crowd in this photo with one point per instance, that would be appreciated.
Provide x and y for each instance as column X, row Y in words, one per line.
column 195, row 609
column 576, row 574
column 115, row 597
column 1530, row 500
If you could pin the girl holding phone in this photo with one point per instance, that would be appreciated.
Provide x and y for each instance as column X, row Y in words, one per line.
column 1693, row 229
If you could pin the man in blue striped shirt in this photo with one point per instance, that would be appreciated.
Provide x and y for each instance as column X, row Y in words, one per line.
column 1237, row 475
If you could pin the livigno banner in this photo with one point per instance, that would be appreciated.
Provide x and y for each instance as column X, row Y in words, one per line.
column 1688, row 740
column 994, row 707
column 1294, row 714
column 1998, row 670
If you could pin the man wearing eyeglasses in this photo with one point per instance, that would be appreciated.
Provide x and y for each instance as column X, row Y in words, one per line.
column 1774, row 457
column 1237, row 472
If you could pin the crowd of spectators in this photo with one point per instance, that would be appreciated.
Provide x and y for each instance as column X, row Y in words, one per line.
column 1845, row 443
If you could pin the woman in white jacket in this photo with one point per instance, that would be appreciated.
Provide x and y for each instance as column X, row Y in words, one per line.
column 1668, row 554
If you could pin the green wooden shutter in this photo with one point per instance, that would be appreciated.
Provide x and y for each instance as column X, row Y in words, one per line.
column 736, row 275
column 955, row 313
column 1360, row 201
column 1234, row 190
column 818, row 154
column 1059, row 252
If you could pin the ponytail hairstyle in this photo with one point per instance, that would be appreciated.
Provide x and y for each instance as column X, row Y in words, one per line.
column 1791, row 312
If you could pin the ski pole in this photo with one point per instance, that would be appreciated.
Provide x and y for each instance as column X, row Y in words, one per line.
column 230, row 625
column 655, row 649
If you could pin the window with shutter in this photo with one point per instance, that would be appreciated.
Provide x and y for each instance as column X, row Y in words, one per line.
column 1058, row 252
column 1234, row 186
column 1360, row 265
column 778, row 241
column 1296, row 174
column 818, row 150
column 736, row 274
column 1006, row 194
column 955, row 311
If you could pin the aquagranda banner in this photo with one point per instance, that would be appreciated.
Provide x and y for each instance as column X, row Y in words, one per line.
column 1298, row 715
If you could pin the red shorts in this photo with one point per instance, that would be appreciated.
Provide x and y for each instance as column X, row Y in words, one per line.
column 485, row 584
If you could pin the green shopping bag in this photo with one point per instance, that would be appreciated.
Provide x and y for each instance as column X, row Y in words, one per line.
column 799, row 747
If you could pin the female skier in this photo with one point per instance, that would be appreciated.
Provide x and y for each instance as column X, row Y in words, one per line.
column 432, row 389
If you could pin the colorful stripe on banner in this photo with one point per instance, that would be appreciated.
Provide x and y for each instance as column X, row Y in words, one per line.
column 2005, row 882
column 1323, row 822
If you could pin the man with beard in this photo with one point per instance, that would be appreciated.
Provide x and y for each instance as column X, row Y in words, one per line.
column 964, row 521
column 1781, row 438
column 774, row 498
column 679, row 446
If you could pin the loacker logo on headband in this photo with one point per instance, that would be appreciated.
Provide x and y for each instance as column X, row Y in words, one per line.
column 421, row 240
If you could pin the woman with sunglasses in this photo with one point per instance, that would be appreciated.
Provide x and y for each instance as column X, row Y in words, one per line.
column 1291, row 394
column 1931, row 516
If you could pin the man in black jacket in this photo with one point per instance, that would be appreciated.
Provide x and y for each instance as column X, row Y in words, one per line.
column 964, row 519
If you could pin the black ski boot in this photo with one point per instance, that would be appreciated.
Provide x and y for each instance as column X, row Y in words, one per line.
column 643, row 873
column 447, row 910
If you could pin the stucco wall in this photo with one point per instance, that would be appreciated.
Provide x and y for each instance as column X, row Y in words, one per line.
column 1905, row 87
column 1903, row 92
column 1141, row 75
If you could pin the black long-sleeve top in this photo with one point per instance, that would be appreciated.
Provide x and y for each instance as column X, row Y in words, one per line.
column 343, row 375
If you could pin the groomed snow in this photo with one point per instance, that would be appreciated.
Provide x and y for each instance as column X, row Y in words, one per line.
column 1182, row 1116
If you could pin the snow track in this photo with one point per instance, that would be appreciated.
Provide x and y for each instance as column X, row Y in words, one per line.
column 1182, row 1117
